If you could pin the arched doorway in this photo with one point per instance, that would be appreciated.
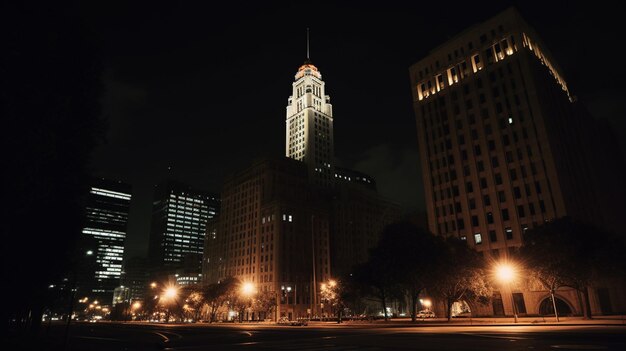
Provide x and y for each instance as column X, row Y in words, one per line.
column 460, row 309
column 546, row 307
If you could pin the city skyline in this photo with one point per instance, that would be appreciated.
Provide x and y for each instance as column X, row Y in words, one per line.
column 167, row 166
column 181, row 80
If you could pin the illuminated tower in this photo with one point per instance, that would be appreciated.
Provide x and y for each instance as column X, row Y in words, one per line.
column 309, row 125
column 104, row 233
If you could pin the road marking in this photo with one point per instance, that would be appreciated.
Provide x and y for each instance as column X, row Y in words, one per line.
column 165, row 338
column 247, row 333
column 96, row 338
column 248, row 343
column 496, row 336
column 579, row 347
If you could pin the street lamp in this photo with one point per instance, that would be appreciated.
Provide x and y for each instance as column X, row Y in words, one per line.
column 506, row 273
column 171, row 292
column 247, row 290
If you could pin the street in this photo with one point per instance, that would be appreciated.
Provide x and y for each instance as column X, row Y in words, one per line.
column 114, row 336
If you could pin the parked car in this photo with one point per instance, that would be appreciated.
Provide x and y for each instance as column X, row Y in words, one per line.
column 425, row 314
column 299, row 321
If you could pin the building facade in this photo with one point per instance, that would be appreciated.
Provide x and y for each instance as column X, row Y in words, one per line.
column 179, row 217
column 273, row 232
column 136, row 276
column 503, row 143
column 103, row 236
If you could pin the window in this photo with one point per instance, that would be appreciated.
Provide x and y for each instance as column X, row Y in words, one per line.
column 487, row 200
column 492, row 236
column 475, row 221
column 480, row 166
column 460, row 223
column 472, row 204
column 538, row 187
column 489, row 218
column 509, row 157
column 478, row 238
column 517, row 192
column 461, row 140
column 498, row 179
column 509, row 233
column 531, row 209
column 542, row 206
column 468, row 187
column 490, row 143
column 520, row 211
column 483, row 183
column 477, row 150
column 505, row 214
column 494, row 162
column 501, row 196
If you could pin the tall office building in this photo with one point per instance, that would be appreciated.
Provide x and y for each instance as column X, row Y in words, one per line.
column 179, row 217
column 273, row 231
column 504, row 145
column 309, row 125
column 104, row 233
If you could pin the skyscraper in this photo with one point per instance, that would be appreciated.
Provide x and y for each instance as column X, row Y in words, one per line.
column 504, row 145
column 309, row 125
column 103, row 237
column 179, row 217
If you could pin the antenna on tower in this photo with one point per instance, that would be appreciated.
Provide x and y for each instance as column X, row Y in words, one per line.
column 307, row 43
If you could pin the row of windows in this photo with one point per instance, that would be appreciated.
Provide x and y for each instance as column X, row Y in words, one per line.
column 459, row 224
column 456, row 73
column 461, row 50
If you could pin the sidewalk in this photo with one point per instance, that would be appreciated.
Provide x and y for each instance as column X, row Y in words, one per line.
column 617, row 320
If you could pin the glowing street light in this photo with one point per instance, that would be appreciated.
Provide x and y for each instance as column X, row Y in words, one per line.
column 153, row 285
column 506, row 273
column 171, row 293
column 247, row 289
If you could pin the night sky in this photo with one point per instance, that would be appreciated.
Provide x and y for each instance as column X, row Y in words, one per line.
column 203, row 89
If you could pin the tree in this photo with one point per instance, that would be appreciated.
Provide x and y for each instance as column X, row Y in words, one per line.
column 194, row 303
column 374, row 275
column 265, row 302
column 414, row 257
column 220, row 294
column 460, row 275
column 405, row 259
column 565, row 252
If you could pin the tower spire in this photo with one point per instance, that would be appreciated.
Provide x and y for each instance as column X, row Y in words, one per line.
column 307, row 43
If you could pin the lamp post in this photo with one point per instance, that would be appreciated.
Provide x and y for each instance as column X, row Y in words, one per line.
column 248, row 290
column 506, row 273
column 170, row 294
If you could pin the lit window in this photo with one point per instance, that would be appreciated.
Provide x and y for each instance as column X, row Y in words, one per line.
column 478, row 238
column 510, row 120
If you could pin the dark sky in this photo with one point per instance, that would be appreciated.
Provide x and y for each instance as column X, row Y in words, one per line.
column 203, row 89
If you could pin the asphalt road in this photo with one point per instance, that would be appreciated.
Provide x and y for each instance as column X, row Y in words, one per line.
column 109, row 336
